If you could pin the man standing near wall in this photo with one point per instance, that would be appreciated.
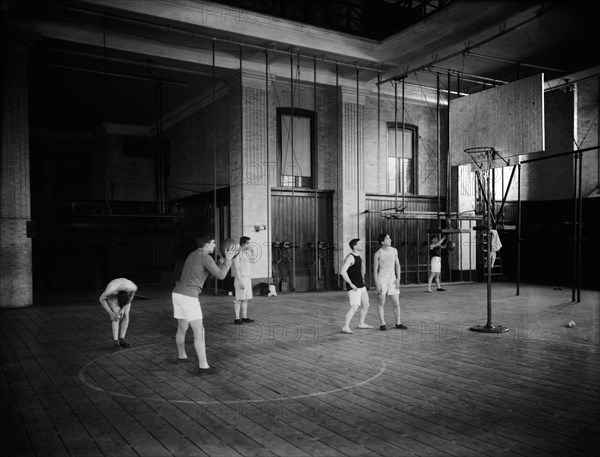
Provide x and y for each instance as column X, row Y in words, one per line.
column 353, row 272
column 386, row 271
column 242, row 281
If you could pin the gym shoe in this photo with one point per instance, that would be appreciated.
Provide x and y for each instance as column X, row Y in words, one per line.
column 347, row 330
column 237, row 322
column 124, row 344
column 383, row 327
column 116, row 346
column 401, row 326
column 441, row 290
column 247, row 319
column 364, row 326
column 204, row 371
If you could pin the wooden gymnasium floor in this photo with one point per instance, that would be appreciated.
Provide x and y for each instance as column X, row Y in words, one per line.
column 292, row 385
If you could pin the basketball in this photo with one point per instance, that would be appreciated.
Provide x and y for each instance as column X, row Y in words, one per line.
column 450, row 245
column 228, row 244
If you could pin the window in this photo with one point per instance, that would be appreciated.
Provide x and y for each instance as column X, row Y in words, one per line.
column 401, row 169
column 296, row 147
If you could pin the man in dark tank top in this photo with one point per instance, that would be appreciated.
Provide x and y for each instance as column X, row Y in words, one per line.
column 353, row 272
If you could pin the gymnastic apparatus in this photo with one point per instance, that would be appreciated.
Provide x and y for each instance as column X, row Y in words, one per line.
column 482, row 158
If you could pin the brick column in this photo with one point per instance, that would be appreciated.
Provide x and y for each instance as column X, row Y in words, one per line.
column 350, row 202
column 16, row 288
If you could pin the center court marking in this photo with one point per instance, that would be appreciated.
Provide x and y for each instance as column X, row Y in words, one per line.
column 83, row 379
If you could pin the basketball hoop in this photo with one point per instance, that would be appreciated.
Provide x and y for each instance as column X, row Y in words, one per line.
column 482, row 158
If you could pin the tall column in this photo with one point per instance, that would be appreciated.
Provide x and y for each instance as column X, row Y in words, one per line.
column 16, row 287
column 350, row 204
column 249, row 178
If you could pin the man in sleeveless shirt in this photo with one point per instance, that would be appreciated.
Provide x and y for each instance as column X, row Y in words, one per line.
column 386, row 271
column 186, row 304
column 353, row 272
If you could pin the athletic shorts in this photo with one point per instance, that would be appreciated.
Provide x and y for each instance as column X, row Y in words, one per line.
column 436, row 264
column 356, row 296
column 246, row 292
column 185, row 307
column 387, row 282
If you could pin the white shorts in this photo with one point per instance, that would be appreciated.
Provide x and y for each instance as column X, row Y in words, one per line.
column 436, row 264
column 387, row 282
column 185, row 307
column 246, row 292
column 356, row 296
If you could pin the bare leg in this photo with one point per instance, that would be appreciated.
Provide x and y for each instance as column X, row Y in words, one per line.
column 236, row 308
column 115, row 329
column 182, row 326
column 115, row 322
column 244, row 309
column 349, row 315
column 364, row 308
column 199, row 342
column 396, row 308
column 431, row 275
column 382, row 298
column 124, row 324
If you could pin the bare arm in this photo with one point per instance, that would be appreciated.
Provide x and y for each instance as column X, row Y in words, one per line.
column 104, row 302
column 376, row 268
column 397, row 267
column 363, row 270
column 439, row 243
column 214, row 269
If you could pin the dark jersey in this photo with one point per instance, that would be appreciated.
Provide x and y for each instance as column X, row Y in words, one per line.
column 355, row 273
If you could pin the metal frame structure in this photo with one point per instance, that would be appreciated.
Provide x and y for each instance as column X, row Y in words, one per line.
column 482, row 157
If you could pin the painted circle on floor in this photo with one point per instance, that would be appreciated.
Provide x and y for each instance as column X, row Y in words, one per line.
column 151, row 373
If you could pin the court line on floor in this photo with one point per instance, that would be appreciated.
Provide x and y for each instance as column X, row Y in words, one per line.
column 83, row 379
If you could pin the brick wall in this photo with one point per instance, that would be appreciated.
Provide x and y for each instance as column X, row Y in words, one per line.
column 16, row 288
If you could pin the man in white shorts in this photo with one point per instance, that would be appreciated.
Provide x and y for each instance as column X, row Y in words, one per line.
column 116, row 300
column 386, row 271
column 353, row 272
column 435, row 249
column 186, row 304
column 242, row 282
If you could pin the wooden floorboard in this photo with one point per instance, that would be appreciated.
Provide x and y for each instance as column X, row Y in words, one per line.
column 291, row 384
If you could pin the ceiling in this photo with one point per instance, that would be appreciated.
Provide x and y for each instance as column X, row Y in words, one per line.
column 95, row 61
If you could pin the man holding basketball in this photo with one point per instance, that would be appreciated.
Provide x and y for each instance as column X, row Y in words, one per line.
column 186, row 304
column 435, row 248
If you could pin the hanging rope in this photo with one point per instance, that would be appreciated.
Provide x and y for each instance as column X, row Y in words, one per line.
column 242, row 146
column 293, row 283
column 267, row 172
column 214, row 138
column 357, row 155
column 315, row 180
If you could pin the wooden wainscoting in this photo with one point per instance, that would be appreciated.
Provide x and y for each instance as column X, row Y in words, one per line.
column 300, row 218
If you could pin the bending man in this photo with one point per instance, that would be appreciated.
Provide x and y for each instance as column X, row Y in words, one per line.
column 116, row 300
